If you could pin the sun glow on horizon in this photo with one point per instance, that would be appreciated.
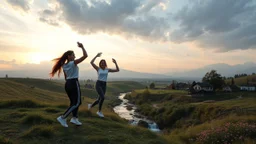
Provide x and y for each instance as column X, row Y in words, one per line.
column 25, row 39
column 37, row 58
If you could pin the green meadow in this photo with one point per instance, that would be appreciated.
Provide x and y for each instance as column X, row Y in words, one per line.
column 29, row 108
column 220, row 118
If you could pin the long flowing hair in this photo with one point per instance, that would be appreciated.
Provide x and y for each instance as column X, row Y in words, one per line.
column 59, row 62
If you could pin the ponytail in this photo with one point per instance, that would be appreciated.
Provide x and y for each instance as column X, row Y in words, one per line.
column 59, row 62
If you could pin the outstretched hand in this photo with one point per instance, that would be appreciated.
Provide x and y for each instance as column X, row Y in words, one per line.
column 80, row 45
column 99, row 54
column 113, row 60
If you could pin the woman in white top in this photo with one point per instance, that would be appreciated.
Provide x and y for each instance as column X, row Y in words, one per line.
column 68, row 63
column 101, row 83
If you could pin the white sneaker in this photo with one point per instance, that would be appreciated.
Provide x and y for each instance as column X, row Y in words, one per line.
column 89, row 106
column 62, row 121
column 100, row 114
column 75, row 121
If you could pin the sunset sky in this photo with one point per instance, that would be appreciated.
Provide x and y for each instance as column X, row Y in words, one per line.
column 156, row 36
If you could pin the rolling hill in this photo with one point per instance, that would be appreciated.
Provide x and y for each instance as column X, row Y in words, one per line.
column 251, row 79
column 29, row 108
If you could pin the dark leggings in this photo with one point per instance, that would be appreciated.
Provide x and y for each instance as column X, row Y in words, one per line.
column 72, row 88
column 101, row 90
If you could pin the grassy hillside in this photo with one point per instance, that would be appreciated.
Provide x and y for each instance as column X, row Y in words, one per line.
column 12, row 90
column 29, row 108
column 113, row 88
column 198, row 120
column 243, row 80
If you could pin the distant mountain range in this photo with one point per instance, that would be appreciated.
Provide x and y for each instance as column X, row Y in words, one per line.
column 86, row 74
column 196, row 74
column 221, row 68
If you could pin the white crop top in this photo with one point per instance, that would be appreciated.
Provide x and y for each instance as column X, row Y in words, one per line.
column 71, row 70
column 102, row 74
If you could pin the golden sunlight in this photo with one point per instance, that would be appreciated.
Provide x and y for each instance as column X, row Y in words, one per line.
column 162, row 5
column 36, row 58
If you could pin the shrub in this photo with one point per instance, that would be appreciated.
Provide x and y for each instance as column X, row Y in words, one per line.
column 52, row 110
column 4, row 140
column 229, row 133
column 36, row 119
column 20, row 104
column 98, row 140
column 15, row 115
column 39, row 131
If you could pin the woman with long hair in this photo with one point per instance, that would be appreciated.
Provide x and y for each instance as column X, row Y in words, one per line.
column 68, row 63
column 101, row 83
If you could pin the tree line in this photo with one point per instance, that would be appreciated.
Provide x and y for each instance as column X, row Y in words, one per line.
column 213, row 78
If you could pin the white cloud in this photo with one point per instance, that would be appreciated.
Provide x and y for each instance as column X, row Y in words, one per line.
column 23, row 5
column 214, row 24
column 124, row 17
column 222, row 25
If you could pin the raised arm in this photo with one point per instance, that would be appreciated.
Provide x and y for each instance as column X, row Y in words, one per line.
column 117, row 68
column 92, row 62
column 77, row 61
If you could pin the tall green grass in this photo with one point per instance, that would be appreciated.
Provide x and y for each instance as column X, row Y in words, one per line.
column 4, row 140
column 39, row 131
column 35, row 119
column 182, row 117
column 20, row 104
column 28, row 115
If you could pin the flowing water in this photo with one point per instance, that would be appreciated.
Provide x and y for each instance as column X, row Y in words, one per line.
column 132, row 116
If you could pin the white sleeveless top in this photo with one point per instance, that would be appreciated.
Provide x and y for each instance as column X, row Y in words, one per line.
column 102, row 74
column 71, row 70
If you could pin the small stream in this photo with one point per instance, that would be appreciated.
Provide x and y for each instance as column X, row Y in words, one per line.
column 132, row 116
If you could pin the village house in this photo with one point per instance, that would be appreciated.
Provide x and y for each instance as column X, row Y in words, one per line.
column 230, row 88
column 201, row 89
column 206, row 87
column 226, row 88
column 248, row 88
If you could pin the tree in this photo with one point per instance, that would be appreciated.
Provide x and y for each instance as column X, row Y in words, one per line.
column 232, row 81
column 214, row 79
column 173, row 84
column 152, row 86
column 191, row 89
column 193, row 84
